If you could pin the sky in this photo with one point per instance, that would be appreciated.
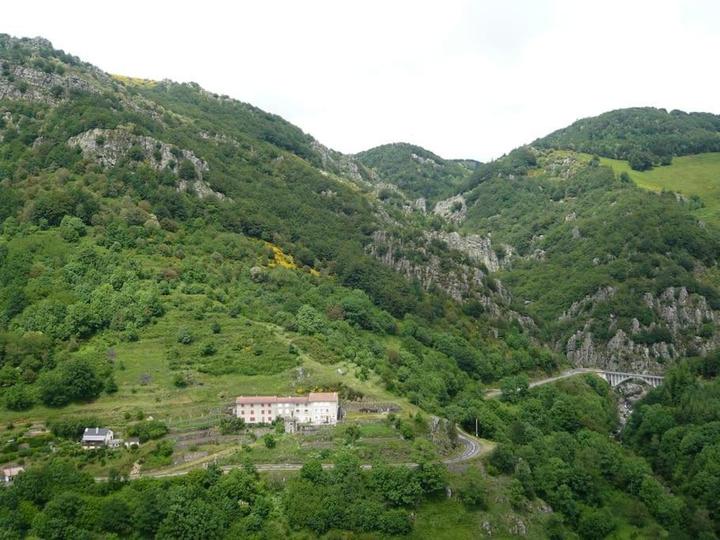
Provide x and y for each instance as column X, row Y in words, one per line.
column 462, row 78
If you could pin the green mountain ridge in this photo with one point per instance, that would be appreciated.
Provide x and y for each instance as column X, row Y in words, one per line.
column 417, row 171
column 644, row 135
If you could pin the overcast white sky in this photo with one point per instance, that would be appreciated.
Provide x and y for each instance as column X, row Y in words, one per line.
column 462, row 78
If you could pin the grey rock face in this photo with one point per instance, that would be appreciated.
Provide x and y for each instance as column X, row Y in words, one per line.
column 456, row 282
column 683, row 314
column 453, row 209
column 602, row 295
column 460, row 281
column 342, row 164
column 628, row 394
column 619, row 353
column 477, row 248
column 35, row 85
column 109, row 146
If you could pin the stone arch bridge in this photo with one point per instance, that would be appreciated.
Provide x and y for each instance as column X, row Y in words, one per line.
column 616, row 378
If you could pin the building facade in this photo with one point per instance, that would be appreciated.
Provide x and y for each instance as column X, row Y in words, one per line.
column 97, row 437
column 317, row 408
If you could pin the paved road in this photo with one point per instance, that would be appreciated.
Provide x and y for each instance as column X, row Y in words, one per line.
column 472, row 448
column 496, row 392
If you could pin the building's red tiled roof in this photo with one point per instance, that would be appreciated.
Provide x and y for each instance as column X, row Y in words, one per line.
column 323, row 396
column 313, row 396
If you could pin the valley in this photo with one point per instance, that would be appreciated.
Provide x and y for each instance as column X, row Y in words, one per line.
column 165, row 249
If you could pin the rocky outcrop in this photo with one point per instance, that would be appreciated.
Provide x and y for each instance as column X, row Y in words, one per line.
column 453, row 209
column 679, row 309
column 628, row 395
column 109, row 146
column 477, row 248
column 685, row 318
column 620, row 353
column 456, row 282
column 424, row 161
column 601, row 295
column 28, row 83
column 420, row 205
column 343, row 165
column 461, row 281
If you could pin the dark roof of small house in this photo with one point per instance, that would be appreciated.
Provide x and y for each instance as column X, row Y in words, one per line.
column 95, row 434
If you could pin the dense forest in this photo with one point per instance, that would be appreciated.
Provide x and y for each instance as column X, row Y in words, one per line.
column 416, row 171
column 624, row 253
column 164, row 248
column 645, row 137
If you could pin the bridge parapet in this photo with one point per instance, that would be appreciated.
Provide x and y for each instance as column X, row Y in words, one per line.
column 616, row 378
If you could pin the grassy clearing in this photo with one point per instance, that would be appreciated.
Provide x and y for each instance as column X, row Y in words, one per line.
column 690, row 175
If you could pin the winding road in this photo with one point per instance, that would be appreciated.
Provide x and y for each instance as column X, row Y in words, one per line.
column 472, row 446
column 496, row 392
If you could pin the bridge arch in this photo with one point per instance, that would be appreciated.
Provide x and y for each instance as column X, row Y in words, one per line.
column 616, row 378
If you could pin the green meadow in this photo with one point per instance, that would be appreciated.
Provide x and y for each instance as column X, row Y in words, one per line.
column 696, row 175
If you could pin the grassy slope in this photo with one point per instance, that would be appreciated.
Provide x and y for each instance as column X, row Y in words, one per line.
column 690, row 175
column 209, row 393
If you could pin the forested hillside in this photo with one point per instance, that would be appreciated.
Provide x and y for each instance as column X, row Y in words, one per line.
column 644, row 136
column 416, row 171
column 164, row 249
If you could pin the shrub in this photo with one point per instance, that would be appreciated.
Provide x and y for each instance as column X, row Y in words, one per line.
column 186, row 170
column 269, row 441
column 110, row 386
column 136, row 153
column 57, row 91
column 185, row 336
column 147, row 430
column 208, row 349
column 73, row 428
column 395, row 522
column 309, row 321
column 231, row 425
column 18, row 398
column 472, row 490
column 72, row 228
column 75, row 380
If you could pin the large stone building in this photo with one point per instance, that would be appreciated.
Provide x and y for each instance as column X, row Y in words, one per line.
column 317, row 408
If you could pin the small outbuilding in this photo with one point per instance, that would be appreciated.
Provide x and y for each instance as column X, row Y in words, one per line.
column 10, row 473
column 132, row 442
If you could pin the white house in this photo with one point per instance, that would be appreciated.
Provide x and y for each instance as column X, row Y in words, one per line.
column 317, row 408
column 9, row 474
column 96, row 437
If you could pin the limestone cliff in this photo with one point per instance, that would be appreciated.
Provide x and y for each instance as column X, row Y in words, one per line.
column 683, row 324
column 108, row 146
